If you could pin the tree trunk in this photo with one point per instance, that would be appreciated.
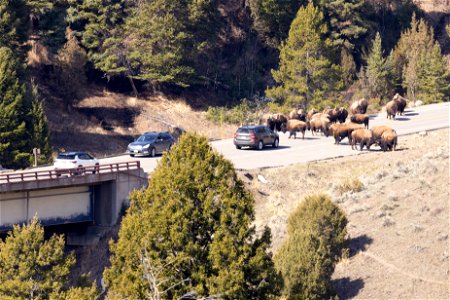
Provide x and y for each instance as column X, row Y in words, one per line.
column 135, row 91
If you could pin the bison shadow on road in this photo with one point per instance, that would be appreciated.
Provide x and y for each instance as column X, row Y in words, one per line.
column 306, row 138
column 402, row 119
column 266, row 148
column 410, row 114
column 347, row 288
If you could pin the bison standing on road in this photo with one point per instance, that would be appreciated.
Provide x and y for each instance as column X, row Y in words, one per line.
column 363, row 137
column 342, row 116
column 294, row 126
column 360, row 119
column 388, row 140
column 342, row 131
column 359, row 106
column 401, row 103
column 391, row 109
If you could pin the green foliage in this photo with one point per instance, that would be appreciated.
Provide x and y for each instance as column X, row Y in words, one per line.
column 316, row 235
column 272, row 18
column 40, row 136
column 305, row 74
column 420, row 63
column 30, row 267
column 379, row 73
column 14, row 24
column 239, row 114
column 190, row 232
column 433, row 76
column 13, row 141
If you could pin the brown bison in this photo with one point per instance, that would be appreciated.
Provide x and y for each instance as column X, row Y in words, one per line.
column 333, row 114
column 359, row 106
column 341, row 131
column 391, row 109
column 388, row 140
column 311, row 113
column 401, row 103
column 267, row 120
column 363, row 137
column 279, row 120
column 360, row 119
column 342, row 116
column 294, row 126
column 297, row 114
column 322, row 124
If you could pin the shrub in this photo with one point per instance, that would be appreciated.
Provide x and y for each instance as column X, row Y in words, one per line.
column 350, row 184
column 316, row 236
column 190, row 232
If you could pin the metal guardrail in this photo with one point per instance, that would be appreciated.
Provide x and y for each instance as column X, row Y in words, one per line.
column 58, row 173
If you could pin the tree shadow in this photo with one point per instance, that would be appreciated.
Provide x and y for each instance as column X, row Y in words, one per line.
column 358, row 243
column 108, row 117
column 347, row 288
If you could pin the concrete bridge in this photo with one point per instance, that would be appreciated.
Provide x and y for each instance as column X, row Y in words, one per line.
column 92, row 194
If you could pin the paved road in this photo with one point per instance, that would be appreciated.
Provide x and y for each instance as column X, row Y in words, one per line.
column 313, row 148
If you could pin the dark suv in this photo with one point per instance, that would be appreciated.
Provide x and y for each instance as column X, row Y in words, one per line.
column 151, row 143
column 255, row 136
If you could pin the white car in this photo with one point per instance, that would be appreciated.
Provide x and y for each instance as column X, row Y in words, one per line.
column 71, row 160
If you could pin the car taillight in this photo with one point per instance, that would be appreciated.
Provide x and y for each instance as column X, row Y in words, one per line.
column 235, row 134
column 74, row 161
column 253, row 136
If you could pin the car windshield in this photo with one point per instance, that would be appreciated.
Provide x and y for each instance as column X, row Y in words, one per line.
column 245, row 130
column 66, row 156
column 146, row 138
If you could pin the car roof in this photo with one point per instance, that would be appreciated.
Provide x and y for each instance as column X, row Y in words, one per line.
column 72, row 153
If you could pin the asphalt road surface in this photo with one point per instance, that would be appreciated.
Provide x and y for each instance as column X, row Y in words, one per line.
column 312, row 148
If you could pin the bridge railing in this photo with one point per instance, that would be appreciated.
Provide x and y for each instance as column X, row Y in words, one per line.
column 58, row 173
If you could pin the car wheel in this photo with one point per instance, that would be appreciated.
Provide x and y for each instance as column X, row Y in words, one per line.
column 132, row 155
column 260, row 145
column 238, row 147
column 153, row 152
column 276, row 143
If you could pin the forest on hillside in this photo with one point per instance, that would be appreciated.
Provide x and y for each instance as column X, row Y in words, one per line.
column 288, row 52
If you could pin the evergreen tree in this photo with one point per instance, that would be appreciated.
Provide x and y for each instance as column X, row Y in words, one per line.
column 40, row 136
column 272, row 18
column 100, row 24
column 433, row 76
column 14, row 152
column 379, row 71
column 305, row 74
column 13, row 24
column 159, row 42
column 32, row 268
column 316, row 236
column 190, row 233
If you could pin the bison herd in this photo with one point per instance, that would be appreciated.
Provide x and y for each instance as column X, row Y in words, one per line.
column 340, row 124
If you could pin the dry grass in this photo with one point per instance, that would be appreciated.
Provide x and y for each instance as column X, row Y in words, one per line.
column 397, row 205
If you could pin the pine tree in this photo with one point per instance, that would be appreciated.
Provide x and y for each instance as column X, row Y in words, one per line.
column 305, row 74
column 14, row 152
column 40, row 136
column 272, row 19
column 191, row 231
column 32, row 268
column 100, row 24
column 14, row 24
column 379, row 71
column 159, row 42
column 433, row 76
column 316, row 235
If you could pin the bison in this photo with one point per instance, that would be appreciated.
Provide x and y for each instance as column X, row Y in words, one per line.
column 294, row 126
column 363, row 137
column 322, row 124
column 401, row 103
column 342, row 115
column 359, row 106
column 388, row 140
column 391, row 109
column 360, row 119
column 267, row 120
column 341, row 131
column 311, row 113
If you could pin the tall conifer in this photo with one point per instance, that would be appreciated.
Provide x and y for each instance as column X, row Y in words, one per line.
column 190, row 233
column 14, row 151
column 305, row 74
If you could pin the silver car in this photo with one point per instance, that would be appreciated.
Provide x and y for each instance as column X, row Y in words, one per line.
column 151, row 143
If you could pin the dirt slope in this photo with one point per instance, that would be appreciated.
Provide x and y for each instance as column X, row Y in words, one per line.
column 398, row 223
